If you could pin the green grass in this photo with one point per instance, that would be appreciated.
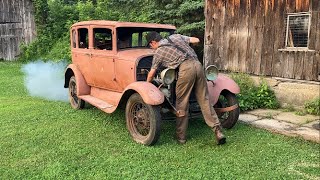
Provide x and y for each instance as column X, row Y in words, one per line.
column 42, row 139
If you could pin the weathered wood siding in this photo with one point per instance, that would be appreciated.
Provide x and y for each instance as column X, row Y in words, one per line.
column 249, row 36
column 16, row 26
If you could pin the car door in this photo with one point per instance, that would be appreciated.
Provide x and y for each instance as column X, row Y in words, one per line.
column 102, row 57
column 81, row 53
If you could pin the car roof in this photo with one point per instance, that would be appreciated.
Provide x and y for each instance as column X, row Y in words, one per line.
column 124, row 24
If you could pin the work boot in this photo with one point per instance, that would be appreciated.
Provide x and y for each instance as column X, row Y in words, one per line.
column 181, row 139
column 220, row 138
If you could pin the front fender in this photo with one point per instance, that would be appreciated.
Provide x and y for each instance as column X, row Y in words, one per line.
column 82, row 87
column 221, row 83
column 149, row 92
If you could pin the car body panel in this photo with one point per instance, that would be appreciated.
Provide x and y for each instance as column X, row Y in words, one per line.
column 82, row 86
column 123, row 24
column 149, row 92
column 217, row 86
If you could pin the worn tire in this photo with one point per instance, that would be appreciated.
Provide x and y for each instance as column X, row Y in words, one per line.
column 75, row 101
column 228, row 119
column 143, row 120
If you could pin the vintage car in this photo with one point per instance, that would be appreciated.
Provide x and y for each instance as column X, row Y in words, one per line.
column 110, row 63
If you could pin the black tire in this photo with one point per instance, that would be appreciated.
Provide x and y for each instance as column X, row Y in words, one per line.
column 143, row 120
column 230, row 118
column 75, row 101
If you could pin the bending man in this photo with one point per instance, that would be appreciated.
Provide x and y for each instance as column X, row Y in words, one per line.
column 175, row 52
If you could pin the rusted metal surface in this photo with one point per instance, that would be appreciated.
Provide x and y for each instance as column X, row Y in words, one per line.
column 123, row 24
column 149, row 93
column 107, row 74
column 226, row 109
column 82, row 87
column 221, row 83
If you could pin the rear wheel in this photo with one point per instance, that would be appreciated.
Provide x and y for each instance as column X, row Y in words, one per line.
column 75, row 101
column 143, row 120
column 230, row 118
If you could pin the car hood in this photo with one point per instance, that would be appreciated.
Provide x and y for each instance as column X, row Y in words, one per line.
column 134, row 53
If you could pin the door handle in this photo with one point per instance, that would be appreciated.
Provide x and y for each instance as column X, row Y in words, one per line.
column 88, row 54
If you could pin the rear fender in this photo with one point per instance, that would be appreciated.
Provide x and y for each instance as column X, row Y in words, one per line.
column 221, row 83
column 149, row 92
column 82, row 87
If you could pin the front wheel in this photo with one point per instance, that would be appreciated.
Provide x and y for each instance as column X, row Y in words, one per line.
column 143, row 120
column 228, row 119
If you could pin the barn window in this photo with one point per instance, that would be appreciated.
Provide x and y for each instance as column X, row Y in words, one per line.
column 297, row 30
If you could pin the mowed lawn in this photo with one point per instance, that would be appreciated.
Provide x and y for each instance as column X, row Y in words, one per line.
column 41, row 139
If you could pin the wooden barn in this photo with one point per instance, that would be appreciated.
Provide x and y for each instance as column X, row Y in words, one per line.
column 16, row 26
column 276, row 38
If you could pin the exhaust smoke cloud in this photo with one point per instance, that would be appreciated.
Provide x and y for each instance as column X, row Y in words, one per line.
column 46, row 80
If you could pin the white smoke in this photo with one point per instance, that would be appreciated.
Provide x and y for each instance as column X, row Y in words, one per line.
column 46, row 80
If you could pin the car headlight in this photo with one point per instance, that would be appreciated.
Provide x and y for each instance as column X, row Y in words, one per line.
column 168, row 76
column 212, row 73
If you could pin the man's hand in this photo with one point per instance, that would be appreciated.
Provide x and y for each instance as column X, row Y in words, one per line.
column 151, row 75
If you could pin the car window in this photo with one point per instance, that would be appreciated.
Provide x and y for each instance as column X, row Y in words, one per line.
column 83, row 38
column 131, row 37
column 135, row 39
column 74, row 43
column 102, row 38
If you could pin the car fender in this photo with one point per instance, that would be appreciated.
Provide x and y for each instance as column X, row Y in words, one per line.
column 149, row 92
column 221, row 83
column 82, row 87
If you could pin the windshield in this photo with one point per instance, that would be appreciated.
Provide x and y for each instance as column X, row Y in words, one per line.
column 132, row 37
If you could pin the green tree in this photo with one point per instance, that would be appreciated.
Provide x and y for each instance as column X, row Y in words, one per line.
column 54, row 18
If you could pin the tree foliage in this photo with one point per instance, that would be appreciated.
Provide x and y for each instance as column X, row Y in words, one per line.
column 54, row 18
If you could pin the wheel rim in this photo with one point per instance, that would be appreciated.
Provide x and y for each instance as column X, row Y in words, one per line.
column 139, row 119
column 73, row 93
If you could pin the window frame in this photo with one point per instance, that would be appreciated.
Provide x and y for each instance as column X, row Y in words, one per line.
column 287, row 30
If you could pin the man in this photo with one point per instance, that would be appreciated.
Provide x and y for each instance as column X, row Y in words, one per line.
column 175, row 52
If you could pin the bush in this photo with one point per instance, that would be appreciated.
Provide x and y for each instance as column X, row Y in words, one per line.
column 252, row 96
column 313, row 106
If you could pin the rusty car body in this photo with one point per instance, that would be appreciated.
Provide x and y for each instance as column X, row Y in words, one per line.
column 110, row 63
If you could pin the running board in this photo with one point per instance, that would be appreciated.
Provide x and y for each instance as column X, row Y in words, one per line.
column 104, row 106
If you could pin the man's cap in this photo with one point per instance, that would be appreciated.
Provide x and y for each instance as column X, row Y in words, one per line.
column 153, row 36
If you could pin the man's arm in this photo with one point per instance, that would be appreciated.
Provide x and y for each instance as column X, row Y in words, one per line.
column 151, row 75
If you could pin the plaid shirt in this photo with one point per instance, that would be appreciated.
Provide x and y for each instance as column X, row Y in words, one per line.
column 171, row 57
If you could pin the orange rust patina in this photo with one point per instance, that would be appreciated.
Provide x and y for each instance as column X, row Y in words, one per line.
column 105, row 70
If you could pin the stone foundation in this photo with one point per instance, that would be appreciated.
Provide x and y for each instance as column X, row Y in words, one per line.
column 292, row 92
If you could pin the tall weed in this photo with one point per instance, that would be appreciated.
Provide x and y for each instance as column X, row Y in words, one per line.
column 313, row 106
column 254, row 96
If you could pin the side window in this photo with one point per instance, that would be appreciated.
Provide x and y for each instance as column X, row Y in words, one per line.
column 83, row 38
column 102, row 38
column 124, row 39
column 74, row 43
column 297, row 30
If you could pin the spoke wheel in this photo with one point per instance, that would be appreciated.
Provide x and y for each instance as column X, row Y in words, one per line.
column 230, row 118
column 75, row 101
column 143, row 120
